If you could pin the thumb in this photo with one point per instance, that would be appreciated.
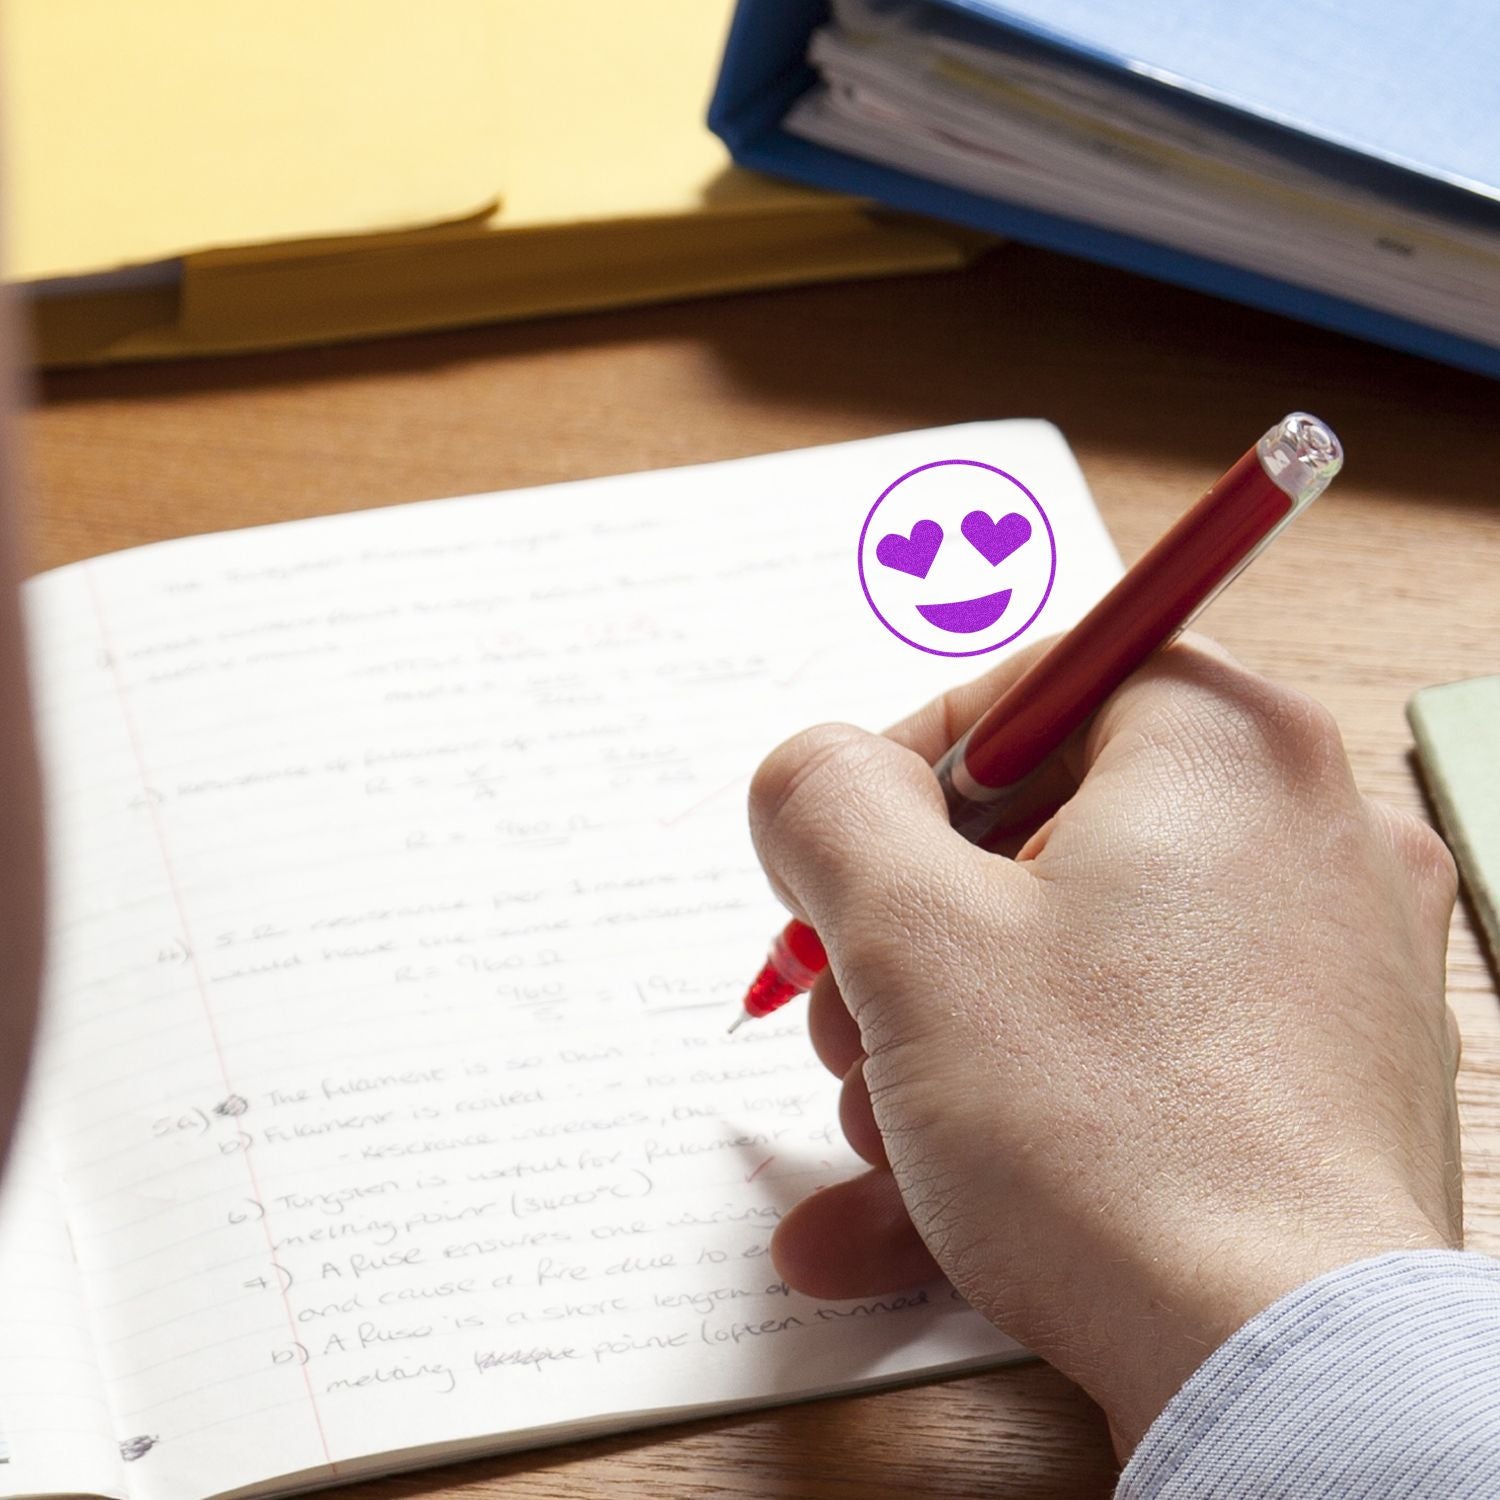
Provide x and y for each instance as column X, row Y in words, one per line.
column 853, row 832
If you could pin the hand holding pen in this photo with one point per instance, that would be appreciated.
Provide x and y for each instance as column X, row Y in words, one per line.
column 1001, row 776
column 1183, row 1052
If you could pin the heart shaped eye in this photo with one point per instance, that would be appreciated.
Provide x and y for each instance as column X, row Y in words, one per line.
column 912, row 554
column 996, row 540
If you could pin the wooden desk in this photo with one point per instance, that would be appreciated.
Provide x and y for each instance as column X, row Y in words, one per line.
column 1392, row 581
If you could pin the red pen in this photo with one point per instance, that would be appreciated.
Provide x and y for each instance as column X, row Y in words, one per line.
column 994, row 779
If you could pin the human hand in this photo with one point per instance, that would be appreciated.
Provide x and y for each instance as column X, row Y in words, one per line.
column 1188, row 1050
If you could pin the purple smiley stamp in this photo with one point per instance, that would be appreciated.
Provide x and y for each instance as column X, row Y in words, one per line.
column 957, row 558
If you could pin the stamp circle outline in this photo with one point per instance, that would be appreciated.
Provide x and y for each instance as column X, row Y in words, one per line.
column 972, row 463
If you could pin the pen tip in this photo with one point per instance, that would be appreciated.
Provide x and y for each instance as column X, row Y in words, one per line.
column 738, row 1021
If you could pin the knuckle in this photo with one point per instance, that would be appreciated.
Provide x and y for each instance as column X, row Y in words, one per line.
column 801, row 766
column 1283, row 729
column 806, row 816
column 1423, row 852
column 1212, row 715
column 1308, row 726
column 1289, row 724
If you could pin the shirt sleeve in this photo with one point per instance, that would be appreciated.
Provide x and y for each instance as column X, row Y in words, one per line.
column 1377, row 1381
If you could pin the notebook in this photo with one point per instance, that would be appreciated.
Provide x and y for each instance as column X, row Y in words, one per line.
column 1336, row 164
column 1457, row 728
column 385, row 1112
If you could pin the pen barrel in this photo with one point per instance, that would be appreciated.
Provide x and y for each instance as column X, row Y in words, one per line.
column 1150, row 605
column 1005, row 774
column 992, row 817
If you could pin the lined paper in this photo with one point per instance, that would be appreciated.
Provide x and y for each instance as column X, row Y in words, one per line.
column 56, row 1434
column 403, row 893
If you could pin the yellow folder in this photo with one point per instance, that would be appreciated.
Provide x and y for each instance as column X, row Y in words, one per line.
column 202, row 176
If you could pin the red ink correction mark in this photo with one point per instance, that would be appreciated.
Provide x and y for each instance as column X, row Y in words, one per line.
column 703, row 801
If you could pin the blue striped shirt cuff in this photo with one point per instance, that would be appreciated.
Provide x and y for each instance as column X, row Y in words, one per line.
column 1380, row 1379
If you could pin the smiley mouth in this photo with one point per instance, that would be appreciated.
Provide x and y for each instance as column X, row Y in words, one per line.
column 965, row 616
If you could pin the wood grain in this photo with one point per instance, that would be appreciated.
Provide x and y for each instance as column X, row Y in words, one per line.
column 1390, row 582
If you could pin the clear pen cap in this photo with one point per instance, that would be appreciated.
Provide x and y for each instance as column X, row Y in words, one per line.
column 1301, row 455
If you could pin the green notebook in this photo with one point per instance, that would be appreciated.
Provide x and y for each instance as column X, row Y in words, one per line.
column 1457, row 727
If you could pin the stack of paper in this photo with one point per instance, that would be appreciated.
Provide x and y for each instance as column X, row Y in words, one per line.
column 193, row 177
column 905, row 89
column 1338, row 162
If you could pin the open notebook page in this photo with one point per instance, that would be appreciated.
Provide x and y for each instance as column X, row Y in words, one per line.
column 56, row 1430
column 402, row 892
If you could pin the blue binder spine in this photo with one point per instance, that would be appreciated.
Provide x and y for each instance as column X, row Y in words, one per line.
column 765, row 70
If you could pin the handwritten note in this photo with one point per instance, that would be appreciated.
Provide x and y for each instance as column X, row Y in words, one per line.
column 402, row 894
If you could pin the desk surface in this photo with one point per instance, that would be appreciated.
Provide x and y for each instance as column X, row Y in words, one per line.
column 1391, row 581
